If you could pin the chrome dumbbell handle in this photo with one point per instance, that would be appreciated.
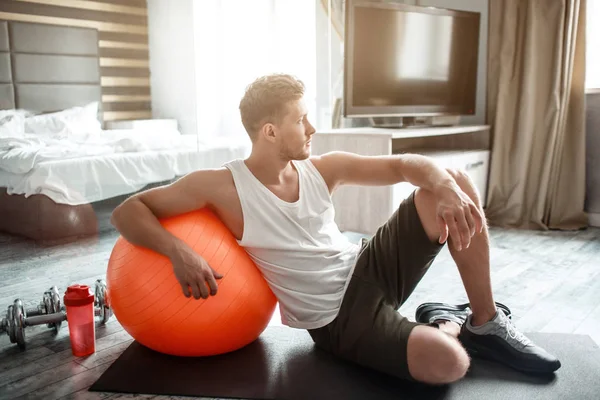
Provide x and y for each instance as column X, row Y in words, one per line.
column 39, row 310
column 45, row 319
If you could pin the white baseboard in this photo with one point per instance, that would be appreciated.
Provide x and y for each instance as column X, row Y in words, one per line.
column 594, row 219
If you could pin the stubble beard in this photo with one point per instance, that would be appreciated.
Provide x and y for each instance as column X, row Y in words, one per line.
column 290, row 154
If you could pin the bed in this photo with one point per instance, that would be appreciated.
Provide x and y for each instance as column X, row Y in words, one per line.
column 56, row 158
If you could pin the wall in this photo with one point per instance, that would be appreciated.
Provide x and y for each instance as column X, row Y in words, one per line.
column 330, row 59
column 123, row 41
column 592, row 196
column 172, row 62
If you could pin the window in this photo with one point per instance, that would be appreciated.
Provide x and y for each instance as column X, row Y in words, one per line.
column 592, row 74
column 239, row 40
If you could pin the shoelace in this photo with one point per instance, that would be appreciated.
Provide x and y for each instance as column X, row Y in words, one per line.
column 512, row 331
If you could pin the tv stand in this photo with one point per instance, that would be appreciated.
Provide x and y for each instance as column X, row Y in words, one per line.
column 364, row 209
column 393, row 122
column 413, row 122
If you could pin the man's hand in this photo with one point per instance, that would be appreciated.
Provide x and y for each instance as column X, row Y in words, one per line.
column 457, row 216
column 193, row 272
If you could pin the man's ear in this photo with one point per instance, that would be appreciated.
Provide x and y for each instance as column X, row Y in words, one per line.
column 269, row 132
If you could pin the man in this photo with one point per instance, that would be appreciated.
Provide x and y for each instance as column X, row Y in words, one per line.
column 277, row 203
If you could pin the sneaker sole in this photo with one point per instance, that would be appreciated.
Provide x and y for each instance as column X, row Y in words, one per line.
column 427, row 307
column 490, row 355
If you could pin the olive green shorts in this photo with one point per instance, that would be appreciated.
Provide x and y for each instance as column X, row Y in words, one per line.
column 368, row 329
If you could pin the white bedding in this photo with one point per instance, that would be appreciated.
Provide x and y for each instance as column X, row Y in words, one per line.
column 87, row 168
column 20, row 154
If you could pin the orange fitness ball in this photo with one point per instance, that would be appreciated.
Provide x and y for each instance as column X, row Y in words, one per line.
column 148, row 301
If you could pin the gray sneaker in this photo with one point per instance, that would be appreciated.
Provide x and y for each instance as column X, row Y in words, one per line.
column 499, row 340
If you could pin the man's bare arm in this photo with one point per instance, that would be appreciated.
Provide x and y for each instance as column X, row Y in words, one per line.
column 456, row 211
column 137, row 219
column 340, row 168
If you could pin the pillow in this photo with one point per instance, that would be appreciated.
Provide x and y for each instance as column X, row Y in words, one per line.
column 72, row 121
column 52, row 124
column 11, row 125
column 12, row 112
column 83, row 119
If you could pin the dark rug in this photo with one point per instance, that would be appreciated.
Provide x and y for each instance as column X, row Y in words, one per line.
column 284, row 364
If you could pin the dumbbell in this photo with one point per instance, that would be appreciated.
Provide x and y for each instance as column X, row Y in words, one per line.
column 50, row 304
column 17, row 320
column 50, row 312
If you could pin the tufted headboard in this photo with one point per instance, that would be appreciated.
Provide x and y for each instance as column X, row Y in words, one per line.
column 47, row 68
column 7, row 97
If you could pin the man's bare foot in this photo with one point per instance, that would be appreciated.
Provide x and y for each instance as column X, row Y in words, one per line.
column 449, row 327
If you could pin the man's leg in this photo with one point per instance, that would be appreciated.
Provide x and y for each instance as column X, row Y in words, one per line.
column 486, row 332
column 473, row 262
column 369, row 330
column 435, row 357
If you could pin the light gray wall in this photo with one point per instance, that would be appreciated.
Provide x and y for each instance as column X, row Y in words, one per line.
column 330, row 59
column 172, row 55
column 592, row 122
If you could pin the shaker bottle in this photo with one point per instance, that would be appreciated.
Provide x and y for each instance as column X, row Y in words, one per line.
column 79, row 301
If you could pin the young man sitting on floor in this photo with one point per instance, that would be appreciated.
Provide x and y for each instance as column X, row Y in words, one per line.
column 277, row 203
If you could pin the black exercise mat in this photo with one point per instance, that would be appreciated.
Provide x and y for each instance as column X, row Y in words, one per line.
column 284, row 364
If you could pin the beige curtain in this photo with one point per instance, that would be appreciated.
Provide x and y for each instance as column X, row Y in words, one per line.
column 536, row 107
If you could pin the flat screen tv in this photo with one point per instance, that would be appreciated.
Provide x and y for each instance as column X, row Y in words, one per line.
column 403, row 60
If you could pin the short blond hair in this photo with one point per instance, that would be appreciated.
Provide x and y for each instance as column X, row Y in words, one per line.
column 266, row 98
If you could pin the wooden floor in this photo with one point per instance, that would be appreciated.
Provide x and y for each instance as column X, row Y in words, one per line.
column 551, row 281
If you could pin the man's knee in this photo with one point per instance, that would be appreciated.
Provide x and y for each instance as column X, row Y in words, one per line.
column 435, row 357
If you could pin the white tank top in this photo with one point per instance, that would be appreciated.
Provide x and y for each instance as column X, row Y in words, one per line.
column 298, row 247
